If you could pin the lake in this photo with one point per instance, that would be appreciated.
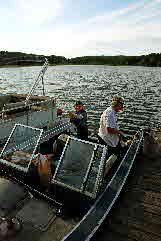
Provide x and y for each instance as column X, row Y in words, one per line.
column 95, row 85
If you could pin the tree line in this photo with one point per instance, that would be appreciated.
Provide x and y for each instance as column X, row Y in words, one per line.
column 23, row 59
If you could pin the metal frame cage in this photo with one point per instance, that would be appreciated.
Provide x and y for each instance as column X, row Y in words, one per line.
column 22, row 138
column 81, row 166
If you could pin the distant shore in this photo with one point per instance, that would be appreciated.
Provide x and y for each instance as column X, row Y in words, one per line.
column 15, row 59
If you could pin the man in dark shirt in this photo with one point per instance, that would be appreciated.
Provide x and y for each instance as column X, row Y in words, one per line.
column 79, row 119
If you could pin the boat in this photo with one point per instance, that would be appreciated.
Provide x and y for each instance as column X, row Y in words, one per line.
column 54, row 195
column 70, row 201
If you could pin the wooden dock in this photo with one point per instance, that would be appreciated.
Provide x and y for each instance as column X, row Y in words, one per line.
column 137, row 213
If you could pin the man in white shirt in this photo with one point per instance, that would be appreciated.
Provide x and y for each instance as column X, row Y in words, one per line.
column 109, row 133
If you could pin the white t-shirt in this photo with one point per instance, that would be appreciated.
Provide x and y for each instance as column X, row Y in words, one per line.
column 108, row 119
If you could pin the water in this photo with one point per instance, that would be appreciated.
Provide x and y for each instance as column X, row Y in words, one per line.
column 95, row 86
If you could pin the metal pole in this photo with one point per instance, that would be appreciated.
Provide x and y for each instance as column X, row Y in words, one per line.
column 41, row 74
column 43, row 87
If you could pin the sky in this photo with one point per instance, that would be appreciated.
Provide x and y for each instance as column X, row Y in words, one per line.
column 73, row 28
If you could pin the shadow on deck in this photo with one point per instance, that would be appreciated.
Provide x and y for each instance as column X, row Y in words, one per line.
column 137, row 213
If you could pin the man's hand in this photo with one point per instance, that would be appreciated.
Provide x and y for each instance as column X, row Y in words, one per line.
column 121, row 133
column 71, row 115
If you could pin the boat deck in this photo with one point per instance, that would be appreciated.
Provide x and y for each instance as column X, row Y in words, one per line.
column 40, row 223
column 137, row 213
column 57, row 230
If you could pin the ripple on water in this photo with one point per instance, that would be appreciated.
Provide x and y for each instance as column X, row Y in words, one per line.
column 95, row 86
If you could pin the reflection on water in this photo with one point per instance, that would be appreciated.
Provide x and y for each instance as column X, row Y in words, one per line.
column 95, row 85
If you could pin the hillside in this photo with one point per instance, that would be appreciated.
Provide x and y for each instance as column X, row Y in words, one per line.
column 18, row 58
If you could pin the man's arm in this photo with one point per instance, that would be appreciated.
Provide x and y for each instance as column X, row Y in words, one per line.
column 114, row 131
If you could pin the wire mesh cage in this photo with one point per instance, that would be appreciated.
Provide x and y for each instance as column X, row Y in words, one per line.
column 21, row 146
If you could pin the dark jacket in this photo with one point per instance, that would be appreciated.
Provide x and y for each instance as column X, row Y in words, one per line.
column 81, row 124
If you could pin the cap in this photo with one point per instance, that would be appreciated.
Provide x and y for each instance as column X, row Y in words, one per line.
column 78, row 102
